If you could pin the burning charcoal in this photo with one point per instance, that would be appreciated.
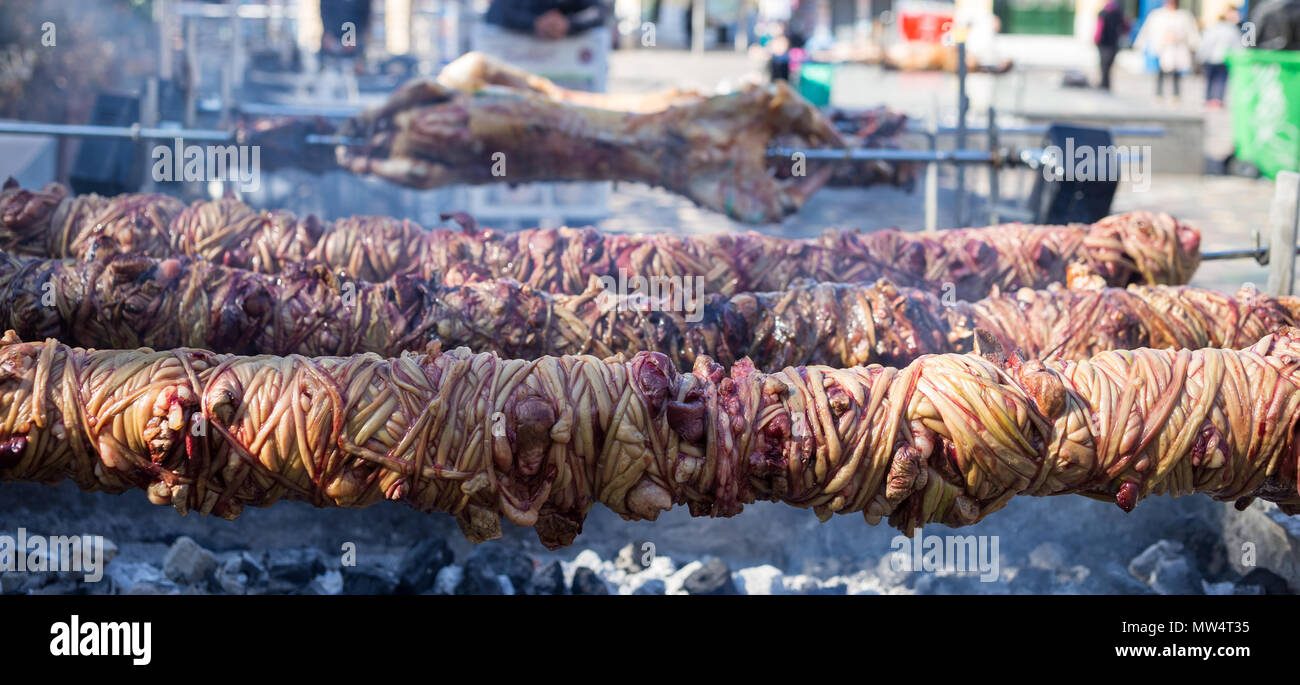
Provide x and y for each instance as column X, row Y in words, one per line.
column 368, row 579
column 1261, row 581
column 588, row 582
column 421, row 563
column 188, row 563
column 547, row 580
column 713, row 578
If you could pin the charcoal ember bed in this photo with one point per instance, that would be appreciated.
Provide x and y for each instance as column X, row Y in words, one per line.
column 1056, row 545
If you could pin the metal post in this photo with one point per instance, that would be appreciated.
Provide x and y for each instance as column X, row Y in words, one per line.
column 932, row 177
column 190, row 32
column 1283, row 221
column 959, row 203
column 163, row 15
column 994, row 167
column 61, row 160
column 236, row 61
column 228, row 71
column 698, row 27
column 740, row 41
column 149, row 115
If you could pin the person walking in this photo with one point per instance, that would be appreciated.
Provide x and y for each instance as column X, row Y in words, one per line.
column 1112, row 26
column 1219, row 38
column 546, row 19
column 1171, row 35
column 337, row 37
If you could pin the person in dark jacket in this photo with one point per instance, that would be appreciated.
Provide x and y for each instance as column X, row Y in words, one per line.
column 786, row 48
column 334, row 14
column 549, row 19
column 1112, row 25
column 1277, row 23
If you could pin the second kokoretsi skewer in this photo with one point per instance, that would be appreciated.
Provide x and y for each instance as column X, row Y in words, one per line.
column 1138, row 247
column 127, row 301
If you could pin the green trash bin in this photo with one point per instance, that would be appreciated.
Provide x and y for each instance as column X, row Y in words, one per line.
column 815, row 82
column 1264, row 100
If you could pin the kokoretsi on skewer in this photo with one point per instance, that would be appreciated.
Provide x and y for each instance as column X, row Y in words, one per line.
column 1138, row 247
column 949, row 438
column 128, row 301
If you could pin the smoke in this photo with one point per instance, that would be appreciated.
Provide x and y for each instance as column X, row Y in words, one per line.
column 56, row 54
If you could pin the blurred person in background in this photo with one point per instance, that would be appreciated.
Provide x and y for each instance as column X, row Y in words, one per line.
column 786, row 50
column 547, row 19
column 1112, row 26
column 1171, row 35
column 982, row 31
column 334, row 14
column 820, row 41
column 1219, row 38
column 101, row 46
column 1277, row 23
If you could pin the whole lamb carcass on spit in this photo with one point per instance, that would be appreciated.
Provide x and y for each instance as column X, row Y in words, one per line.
column 482, row 121
column 712, row 151
column 877, row 127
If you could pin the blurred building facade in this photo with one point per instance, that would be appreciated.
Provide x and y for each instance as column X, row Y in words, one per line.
column 414, row 26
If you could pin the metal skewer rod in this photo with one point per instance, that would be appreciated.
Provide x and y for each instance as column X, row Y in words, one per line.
column 819, row 154
column 333, row 139
column 1151, row 131
column 1253, row 253
column 137, row 132
column 315, row 110
column 133, row 132
column 963, row 106
column 888, row 155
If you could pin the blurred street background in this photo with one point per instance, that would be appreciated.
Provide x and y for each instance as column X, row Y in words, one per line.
column 1035, row 62
column 1195, row 186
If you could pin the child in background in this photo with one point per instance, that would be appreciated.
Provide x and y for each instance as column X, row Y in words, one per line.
column 1218, row 39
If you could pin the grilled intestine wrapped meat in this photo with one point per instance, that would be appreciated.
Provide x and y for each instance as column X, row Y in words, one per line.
column 126, row 301
column 948, row 439
column 1137, row 247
